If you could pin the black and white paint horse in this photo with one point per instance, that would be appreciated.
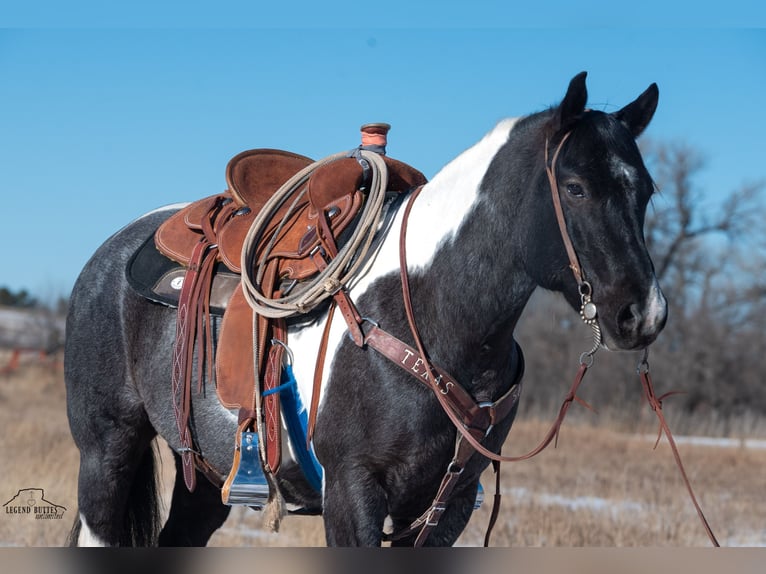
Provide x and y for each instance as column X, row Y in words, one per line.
column 482, row 237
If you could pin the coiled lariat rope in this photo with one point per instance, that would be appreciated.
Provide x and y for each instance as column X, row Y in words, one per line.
column 339, row 271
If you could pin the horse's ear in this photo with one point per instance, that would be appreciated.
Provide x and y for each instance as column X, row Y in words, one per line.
column 573, row 104
column 637, row 114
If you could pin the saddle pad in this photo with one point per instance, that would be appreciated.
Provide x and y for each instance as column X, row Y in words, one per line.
column 159, row 279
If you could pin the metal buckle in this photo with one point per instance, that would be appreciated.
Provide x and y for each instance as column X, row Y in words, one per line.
column 430, row 516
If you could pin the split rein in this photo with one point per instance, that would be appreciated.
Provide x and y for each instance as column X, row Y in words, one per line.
column 588, row 313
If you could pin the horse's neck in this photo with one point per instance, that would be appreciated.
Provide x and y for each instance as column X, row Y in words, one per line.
column 450, row 197
column 459, row 273
column 454, row 305
column 469, row 286
column 439, row 210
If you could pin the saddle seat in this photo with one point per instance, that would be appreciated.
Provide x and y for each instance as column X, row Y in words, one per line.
column 253, row 177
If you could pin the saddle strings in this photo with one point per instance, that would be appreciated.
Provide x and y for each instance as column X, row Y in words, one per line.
column 340, row 270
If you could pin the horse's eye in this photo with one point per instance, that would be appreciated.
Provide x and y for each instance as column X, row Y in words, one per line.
column 575, row 189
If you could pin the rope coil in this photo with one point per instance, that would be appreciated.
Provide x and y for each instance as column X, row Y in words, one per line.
column 340, row 270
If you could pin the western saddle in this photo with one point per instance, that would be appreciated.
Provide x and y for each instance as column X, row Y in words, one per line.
column 315, row 219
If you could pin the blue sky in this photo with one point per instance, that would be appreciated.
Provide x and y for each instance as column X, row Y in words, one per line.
column 100, row 124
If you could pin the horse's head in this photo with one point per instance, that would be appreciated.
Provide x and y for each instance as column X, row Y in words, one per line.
column 597, row 172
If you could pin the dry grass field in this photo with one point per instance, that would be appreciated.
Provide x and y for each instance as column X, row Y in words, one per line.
column 600, row 487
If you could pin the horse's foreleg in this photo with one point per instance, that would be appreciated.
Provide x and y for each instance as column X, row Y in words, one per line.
column 194, row 516
column 354, row 508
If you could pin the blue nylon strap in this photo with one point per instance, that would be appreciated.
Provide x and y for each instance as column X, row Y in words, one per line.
column 280, row 388
column 296, row 420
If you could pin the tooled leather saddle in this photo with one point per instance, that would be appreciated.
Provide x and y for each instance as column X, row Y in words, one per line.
column 207, row 237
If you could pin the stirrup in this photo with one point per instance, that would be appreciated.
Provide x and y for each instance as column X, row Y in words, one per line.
column 246, row 483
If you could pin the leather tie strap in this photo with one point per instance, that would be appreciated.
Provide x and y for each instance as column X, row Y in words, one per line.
column 193, row 329
column 318, row 371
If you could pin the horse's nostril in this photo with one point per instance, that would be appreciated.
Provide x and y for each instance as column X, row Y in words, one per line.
column 629, row 317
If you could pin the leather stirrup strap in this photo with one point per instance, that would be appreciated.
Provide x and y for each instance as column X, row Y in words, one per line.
column 271, row 402
column 266, row 379
column 200, row 266
column 229, row 480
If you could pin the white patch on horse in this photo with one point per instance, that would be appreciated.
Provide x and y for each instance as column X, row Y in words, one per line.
column 622, row 170
column 439, row 210
column 656, row 308
column 448, row 198
column 87, row 538
column 434, row 220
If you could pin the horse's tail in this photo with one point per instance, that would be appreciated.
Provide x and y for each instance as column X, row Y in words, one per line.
column 74, row 534
column 142, row 521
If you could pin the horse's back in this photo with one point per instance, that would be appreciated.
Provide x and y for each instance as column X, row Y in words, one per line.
column 104, row 273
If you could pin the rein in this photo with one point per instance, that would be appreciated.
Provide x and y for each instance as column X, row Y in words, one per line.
column 656, row 403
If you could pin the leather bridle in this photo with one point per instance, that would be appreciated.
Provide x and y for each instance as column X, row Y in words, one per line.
column 550, row 170
column 588, row 310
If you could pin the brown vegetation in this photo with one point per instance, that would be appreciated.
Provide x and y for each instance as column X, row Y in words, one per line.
column 600, row 487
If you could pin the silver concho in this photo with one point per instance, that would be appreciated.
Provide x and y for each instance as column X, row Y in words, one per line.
column 588, row 312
